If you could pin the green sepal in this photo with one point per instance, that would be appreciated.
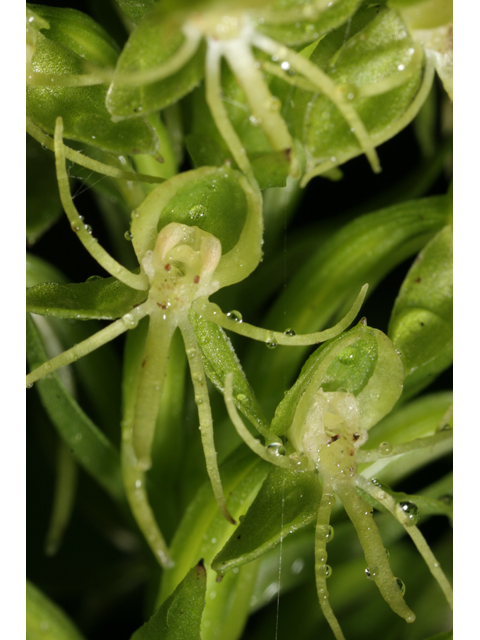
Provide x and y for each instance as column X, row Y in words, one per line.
column 219, row 201
column 43, row 200
column 180, row 616
column 152, row 43
column 89, row 446
column 75, row 44
column 45, row 620
column 97, row 299
column 214, row 202
column 299, row 32
column 219, row 359
column 421, row 324
column 363, row 361
column 286, row 502
column 371, row 56
column 79, row 33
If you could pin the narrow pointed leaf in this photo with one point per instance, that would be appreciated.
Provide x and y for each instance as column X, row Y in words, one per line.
column 86, row 442
column 286, row 502
column 101, row 299
column 179, row 617
column 45, row 620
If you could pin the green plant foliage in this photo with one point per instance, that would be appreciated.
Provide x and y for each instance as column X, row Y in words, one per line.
column 45, row 620
column 72, row 42
column 180, row 615
column 422, row 318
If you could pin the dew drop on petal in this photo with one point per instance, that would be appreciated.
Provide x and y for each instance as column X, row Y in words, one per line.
column 385, row 448
column 235, row 315
column 400, row 586
column 407, row 512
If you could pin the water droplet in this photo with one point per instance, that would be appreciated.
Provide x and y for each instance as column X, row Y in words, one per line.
column 447, row 499
column 370, row 574
column 387, row 553
column 235, row 315
column 48, row 366
column 285, row 65
column 347, row 356
column 29, row 385
column 330, row 534
column 191, row 353
column 385, row 448
column 407, row 512
column 289, row 332
column 128, row 236
column 138, row 483
column 333, row 159
column 130, row 321
column 75, row 227
column 198, row 211
column 328, row 571
column 276, row 449
column 198, row 400
column 198, row 377
column 270, row 343
column 94, row 278
column 400, row 585
column 401, row 67
column 241, row 397
column 88, row 229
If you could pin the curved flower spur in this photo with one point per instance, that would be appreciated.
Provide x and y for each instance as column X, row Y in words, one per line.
column 163, row 61
column 344, row 389
column 181, row 265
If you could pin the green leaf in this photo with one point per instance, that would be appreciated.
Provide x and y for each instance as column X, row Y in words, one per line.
column 179, row 617
column 43, row 200
column 73, row 44
column 363, row 251
column 300, row 32
column 286, row 502
column 86, row 442
column 45, row 620
column 219, row 359
column 370, row 61
column 152, row 43
column 101, row 299
column 421, row 325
